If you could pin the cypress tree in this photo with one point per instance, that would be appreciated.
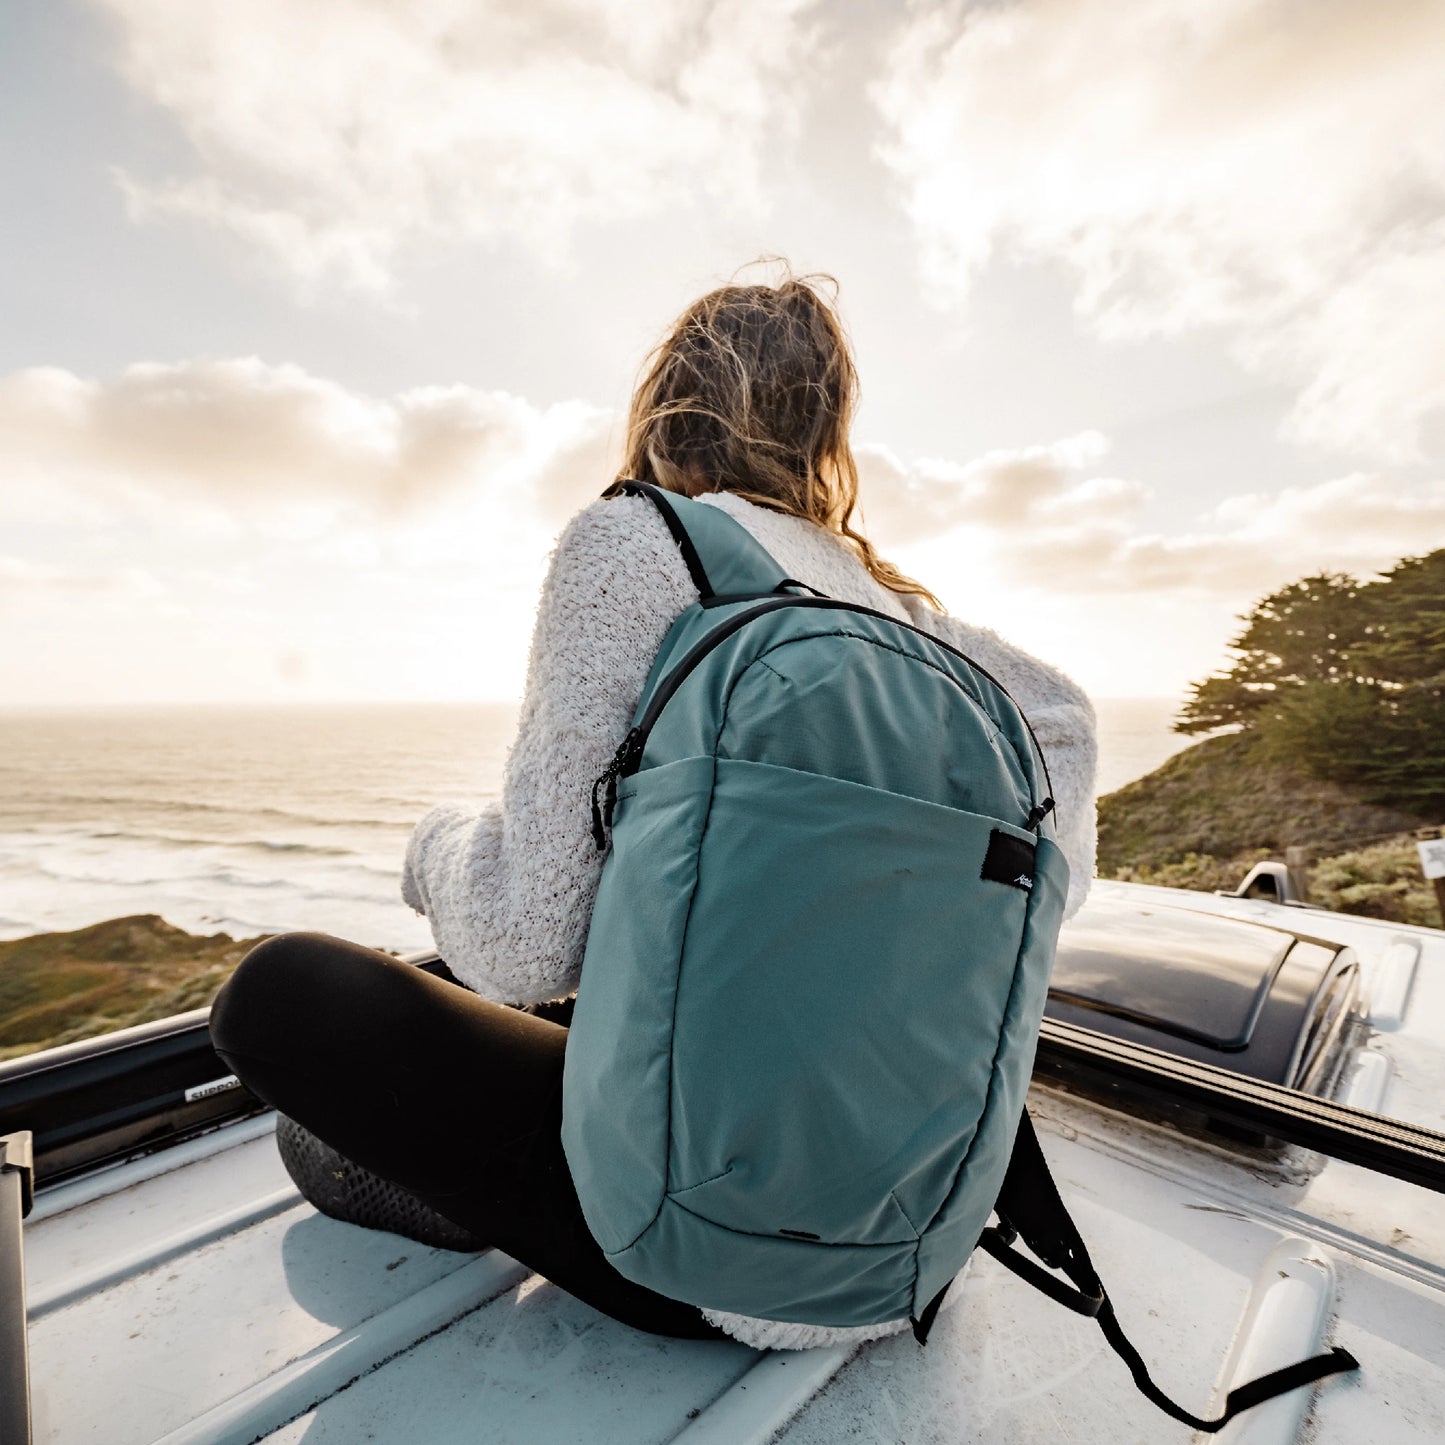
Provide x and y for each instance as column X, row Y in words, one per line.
column 1345, row 679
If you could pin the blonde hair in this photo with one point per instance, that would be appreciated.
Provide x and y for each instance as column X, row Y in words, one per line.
column 753, row 391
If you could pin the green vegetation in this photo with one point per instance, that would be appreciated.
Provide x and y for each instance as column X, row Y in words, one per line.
column 1343, row 680
column 1213, row 811
column 1334, row 706
column 1383, row 881
column 58, row 987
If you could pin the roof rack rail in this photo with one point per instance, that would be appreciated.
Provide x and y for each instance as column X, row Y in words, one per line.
column 103, row 1100
column 1069, row 1054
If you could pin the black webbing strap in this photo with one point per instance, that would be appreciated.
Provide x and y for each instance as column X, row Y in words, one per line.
column 726, row 562
column 1029, row 1206
column 793, row 582
column 674, row 525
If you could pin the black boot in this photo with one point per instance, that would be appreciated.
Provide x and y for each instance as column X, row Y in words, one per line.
column 344, row 1190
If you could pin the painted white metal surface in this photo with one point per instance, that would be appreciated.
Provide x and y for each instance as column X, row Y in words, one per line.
column 1185, row 1252
column 145, row 1206
column 1368, row 1081
column 1006, row 1364
column 338, row 1362
column 1392, row 978
column 1284, row 1320
column 55, row 1294
column 185, row 1298
column 146, row 1356
column 111, row 1181
column 535, row 1367
column 224, row 1345
column 767, row 1397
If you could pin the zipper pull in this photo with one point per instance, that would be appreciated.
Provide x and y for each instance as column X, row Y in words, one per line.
column 1038, row 813
column 599, row 827
column 623, row 761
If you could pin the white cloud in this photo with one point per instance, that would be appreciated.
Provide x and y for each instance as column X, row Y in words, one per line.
column 242, row 434
column 231, row 510
column 170, row 531
column 1248, row 545
column 1242, row 164
column 1034, row 517
column 24, row 578
column 1004, row 488
column 332, row 133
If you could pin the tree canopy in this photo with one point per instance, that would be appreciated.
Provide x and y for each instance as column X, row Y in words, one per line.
column 1343, row 678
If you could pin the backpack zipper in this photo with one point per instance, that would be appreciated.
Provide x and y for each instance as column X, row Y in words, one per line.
column 628, row 756
column 606, row 784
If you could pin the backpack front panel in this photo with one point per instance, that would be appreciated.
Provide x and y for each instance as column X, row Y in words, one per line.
column 844, row 978
column 955, row 1229
column 795, row 1116
column 616, row 1077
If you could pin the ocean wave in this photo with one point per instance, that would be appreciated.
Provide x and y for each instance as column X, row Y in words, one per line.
column 315, row 892
column 132, row 883
column 211, row 877
column 142, row 866
column 221, row 883
column 264, row 845
column 150, row 803
column 27, row 837
column 377, row 923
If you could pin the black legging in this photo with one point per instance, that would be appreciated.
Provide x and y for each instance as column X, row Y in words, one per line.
column 455, row 1098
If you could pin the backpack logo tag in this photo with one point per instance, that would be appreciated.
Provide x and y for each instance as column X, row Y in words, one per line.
column 1009, row 860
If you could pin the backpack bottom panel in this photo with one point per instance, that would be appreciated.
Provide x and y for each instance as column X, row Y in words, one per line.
column 795, row 1281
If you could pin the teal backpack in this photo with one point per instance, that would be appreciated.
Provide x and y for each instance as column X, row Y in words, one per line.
column 817, row 961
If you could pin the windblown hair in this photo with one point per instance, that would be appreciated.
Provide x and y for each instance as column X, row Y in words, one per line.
column 753, row 391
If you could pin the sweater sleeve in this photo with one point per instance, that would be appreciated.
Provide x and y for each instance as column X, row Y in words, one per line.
column 508, row 890
column 1062, row 717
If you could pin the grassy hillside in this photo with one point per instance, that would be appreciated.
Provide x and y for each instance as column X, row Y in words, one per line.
column 1210, row 812
column 56, row 987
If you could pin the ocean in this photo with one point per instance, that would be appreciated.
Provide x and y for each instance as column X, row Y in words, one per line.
column 254, row 820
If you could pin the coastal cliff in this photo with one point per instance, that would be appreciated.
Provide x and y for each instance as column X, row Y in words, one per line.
column 1212, row 811
column 57, row 987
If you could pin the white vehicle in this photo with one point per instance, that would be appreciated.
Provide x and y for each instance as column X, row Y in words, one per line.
column 1250, row 1133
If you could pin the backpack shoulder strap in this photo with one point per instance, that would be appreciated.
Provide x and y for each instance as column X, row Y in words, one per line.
column 1029, row 1206
column 724, row 558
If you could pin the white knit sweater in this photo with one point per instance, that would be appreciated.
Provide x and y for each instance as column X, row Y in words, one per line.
column 508, row 890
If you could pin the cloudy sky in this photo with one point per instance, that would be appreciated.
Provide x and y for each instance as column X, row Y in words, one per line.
column 316, row 320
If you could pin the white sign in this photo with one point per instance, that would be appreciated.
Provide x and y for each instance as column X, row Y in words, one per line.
column 1432, row 857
